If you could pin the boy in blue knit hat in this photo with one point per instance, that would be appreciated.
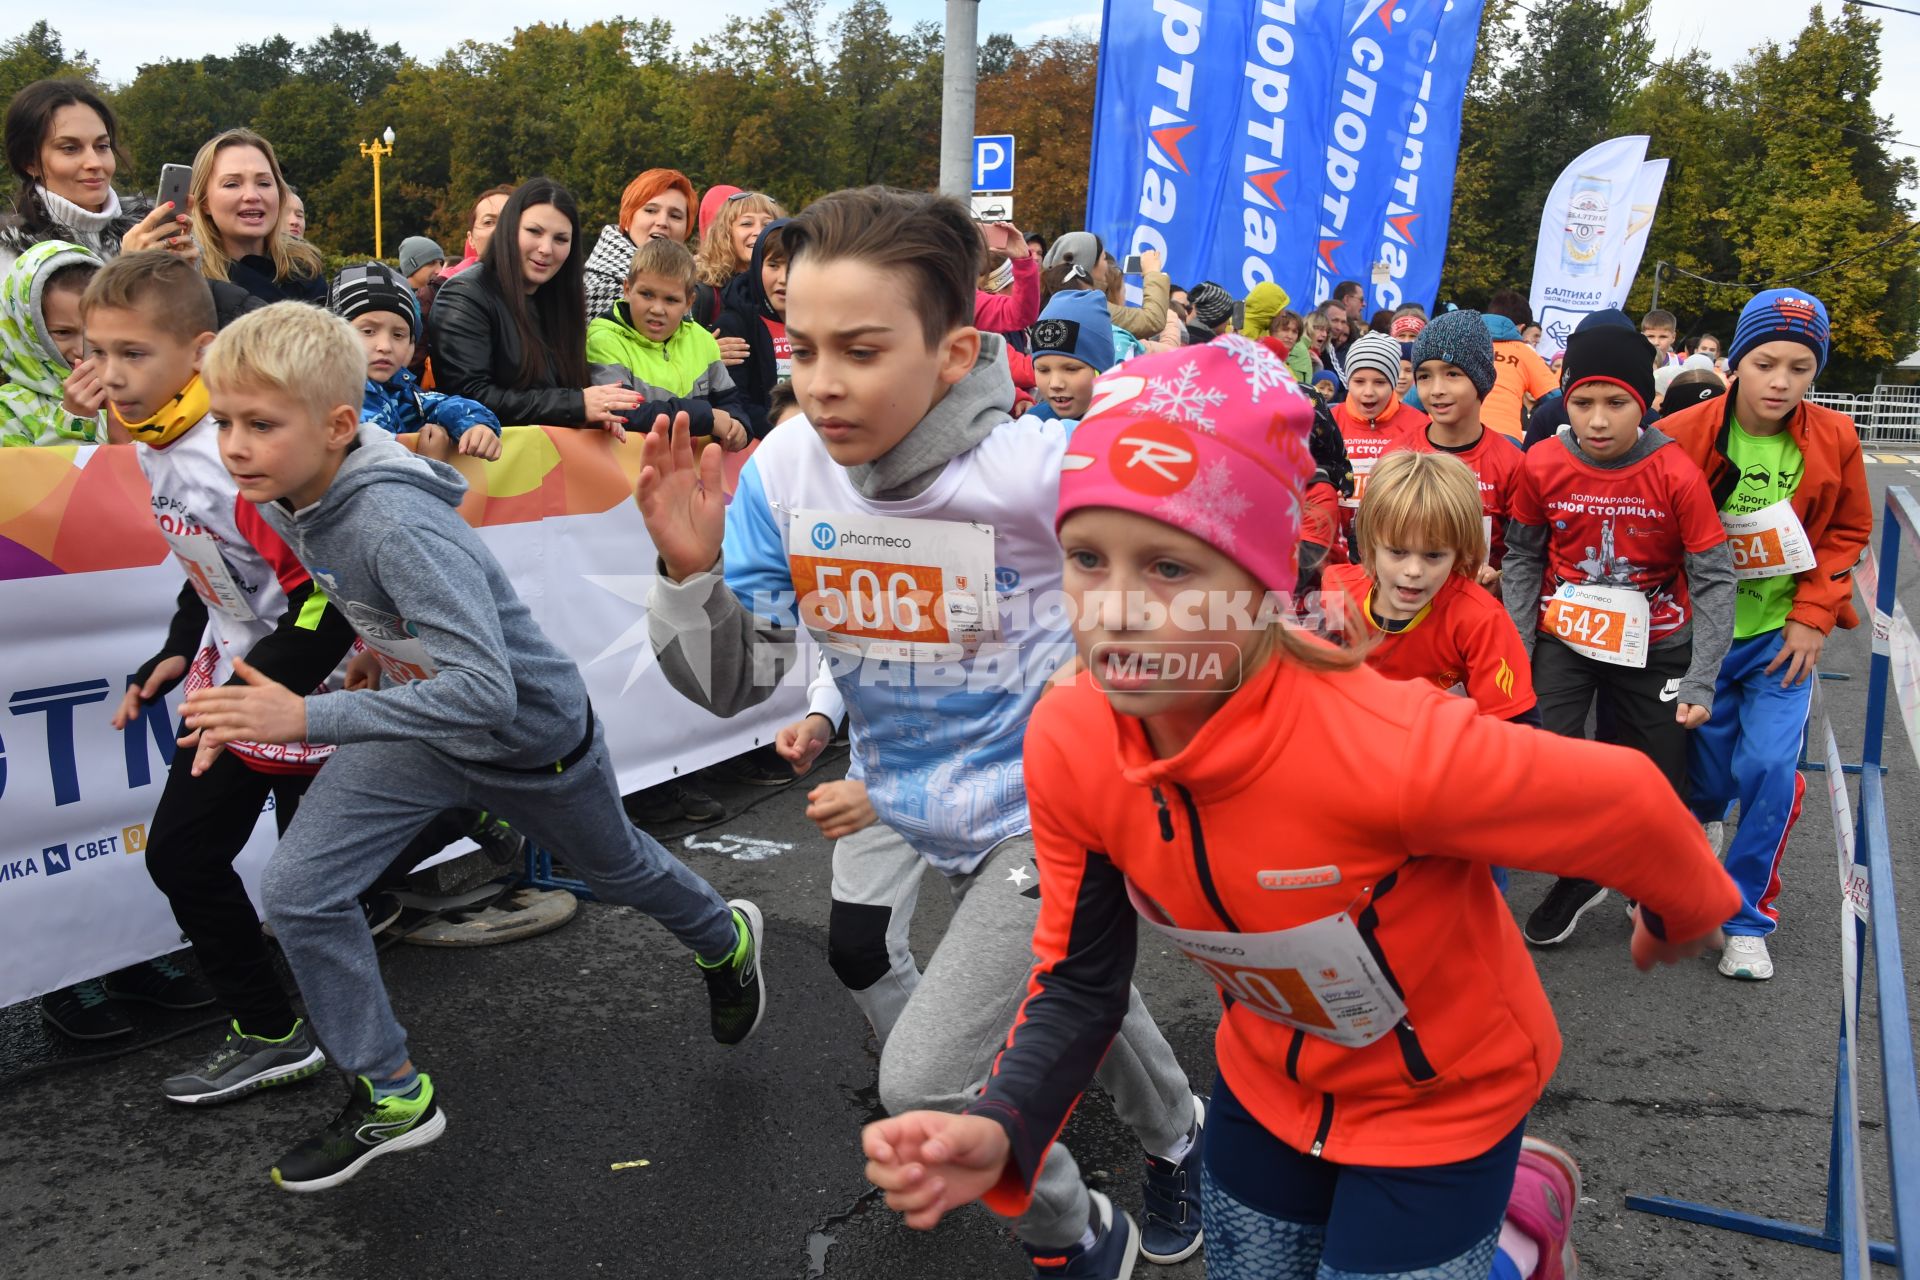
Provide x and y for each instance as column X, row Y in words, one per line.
column 1791, row 487
column 379, row 305
column 1072, row 345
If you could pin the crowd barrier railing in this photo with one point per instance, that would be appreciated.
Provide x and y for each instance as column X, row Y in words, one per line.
column 1868, row 919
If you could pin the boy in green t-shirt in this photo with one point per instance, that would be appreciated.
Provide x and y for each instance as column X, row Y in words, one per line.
column 1788, row 479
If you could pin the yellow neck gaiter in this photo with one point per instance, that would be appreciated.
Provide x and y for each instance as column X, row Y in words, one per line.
column 174, row 417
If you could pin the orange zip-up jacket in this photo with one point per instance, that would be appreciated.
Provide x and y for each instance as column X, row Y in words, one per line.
column 1832, row 501
column 1382, row 798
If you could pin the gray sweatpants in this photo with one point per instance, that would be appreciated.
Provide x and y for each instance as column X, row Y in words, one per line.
column 949, row 1024
column 373, row 797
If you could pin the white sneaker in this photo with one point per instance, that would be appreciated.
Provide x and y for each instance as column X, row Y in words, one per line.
column 1716, row 836
column 1746, row 958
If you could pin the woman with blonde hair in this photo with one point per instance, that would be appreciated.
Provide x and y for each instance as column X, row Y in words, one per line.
column 727, row 246
column 240, row 202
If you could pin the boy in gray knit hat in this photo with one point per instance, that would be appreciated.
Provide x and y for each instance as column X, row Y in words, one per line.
column 1453, row 371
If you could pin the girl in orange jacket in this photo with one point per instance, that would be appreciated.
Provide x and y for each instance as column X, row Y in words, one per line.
column 1296, row 824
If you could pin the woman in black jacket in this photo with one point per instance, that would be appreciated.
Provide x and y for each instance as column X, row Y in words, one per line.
column 512, row 332
column 750, row 312
column 240, row 202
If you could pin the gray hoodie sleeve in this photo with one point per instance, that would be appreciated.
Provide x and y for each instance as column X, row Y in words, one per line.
column 1521, row 574
column 711, row 649
column 1710, row 592
column 445, row 591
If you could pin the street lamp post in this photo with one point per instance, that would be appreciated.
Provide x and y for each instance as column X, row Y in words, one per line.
column 373, row 152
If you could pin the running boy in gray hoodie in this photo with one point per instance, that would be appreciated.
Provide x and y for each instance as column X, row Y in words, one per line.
column 477, row 702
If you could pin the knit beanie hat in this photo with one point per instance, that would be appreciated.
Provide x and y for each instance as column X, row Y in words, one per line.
column 1460, row 338
column 647, row 186
column 1608, row 353
column 710, row 204
column 416, row 252
column 1375, row 351
column 1211, row 439
column 374, row 286
column 1406, row 328
column 1606, row 316
column 1781, row 315
column 1076, row 324
column 1000, row 279
column 1212, row 305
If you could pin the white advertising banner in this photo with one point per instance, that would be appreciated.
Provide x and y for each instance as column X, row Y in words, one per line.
column 1582, row 229
column 87, row 587
column 1644, row 203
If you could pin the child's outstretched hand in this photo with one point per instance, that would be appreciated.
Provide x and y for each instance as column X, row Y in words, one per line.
column 84, row 394
column 480, row 442
column 729, row 432
column 1650, row 949
column 164, row 677
column 841, row 808
column 363, row 671
column 258, row 710
column 734, row 350
column 681, row 498
column 930, row 1163
column 801, row 742
column 1691, row 716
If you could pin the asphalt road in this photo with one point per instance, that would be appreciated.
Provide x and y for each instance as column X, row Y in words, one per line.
column 565, row 1056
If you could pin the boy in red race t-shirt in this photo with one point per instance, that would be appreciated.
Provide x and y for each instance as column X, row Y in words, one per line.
column 1453, row 369
column 1619, row 578
column 1412, row 598
column 1373, row 417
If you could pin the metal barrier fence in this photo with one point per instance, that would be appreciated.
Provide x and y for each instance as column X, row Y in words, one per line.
column 1889, row 415
column 1867, row 913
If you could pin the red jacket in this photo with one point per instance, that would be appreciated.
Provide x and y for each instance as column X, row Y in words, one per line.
column 1308, row 794
column 1462, row 636
column 1010, row 312
column 1832, row 500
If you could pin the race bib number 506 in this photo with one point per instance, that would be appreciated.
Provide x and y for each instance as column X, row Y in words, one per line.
column 913, row 590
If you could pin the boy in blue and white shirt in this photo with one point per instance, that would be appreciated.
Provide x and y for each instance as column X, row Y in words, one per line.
column 911, row 518
column 380, row 306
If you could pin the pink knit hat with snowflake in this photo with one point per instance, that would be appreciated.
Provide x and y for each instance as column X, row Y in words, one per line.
column 1209, row 439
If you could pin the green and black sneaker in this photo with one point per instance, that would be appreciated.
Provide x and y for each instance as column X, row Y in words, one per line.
column 736, row 987
column 364, row 1130
column 244, row 1063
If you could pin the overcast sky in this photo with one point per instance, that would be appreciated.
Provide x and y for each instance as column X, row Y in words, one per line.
column 122, row 34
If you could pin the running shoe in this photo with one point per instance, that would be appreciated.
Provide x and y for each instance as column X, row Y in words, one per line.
column 160, row 981
column 244, row 1063
column 1115, row 1247
column 1716, row 833
column 1746, row 958
column 500, row 842
column 737, row 987
column 1170, row 1225
column 761, row 767
column 363, row 1131
column 1552, row 922
column 84, row 1011
column 1546, row 1194
column 671, row 802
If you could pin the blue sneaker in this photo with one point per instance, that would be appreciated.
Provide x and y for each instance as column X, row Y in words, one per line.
column 1170, row 1228
column 1110, row 1257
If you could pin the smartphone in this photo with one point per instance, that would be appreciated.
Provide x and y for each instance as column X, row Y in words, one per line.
column 175, row 179
column 1131, row 266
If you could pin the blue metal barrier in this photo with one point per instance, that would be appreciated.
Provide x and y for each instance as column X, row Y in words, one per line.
column 1868, row 895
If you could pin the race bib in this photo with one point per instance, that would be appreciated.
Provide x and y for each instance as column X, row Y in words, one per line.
column 401, row 655
column 894, row 589
column 1318, row 978
column 1362, row 468
column 1768, row 543
column 1607, row 624
column 207, row 569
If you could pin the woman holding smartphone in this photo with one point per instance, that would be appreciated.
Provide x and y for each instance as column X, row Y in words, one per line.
column 240, row 206
column 63, row 147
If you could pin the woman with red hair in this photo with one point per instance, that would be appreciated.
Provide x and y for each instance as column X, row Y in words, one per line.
column 658, row 203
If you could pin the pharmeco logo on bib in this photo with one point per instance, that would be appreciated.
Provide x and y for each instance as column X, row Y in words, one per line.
column 824, row 537
column 1154, row 458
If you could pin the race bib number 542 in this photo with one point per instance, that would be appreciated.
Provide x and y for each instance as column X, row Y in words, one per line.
column 1608, row 624
column 913, row 590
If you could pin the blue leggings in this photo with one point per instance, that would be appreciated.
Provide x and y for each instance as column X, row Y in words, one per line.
column 1271, row 1213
